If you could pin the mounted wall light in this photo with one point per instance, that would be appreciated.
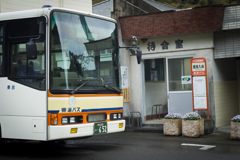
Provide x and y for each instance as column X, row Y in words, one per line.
column 135, row 49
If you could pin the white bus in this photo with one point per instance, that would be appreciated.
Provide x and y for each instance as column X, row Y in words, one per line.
column 59, row 75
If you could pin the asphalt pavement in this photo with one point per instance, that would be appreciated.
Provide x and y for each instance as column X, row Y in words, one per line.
column 129, row 145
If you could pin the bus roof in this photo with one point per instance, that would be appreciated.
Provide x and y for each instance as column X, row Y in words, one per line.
column 44, row 12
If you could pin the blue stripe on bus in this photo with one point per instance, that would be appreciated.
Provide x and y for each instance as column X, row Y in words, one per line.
column 101, row 109
column 53, row 111
column 90, row 110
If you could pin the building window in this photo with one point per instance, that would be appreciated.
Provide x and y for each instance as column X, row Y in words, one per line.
column 29, row 72
column 177, row 69
column 154, row 70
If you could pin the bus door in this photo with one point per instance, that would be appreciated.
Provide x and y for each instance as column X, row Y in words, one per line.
column 23, row 109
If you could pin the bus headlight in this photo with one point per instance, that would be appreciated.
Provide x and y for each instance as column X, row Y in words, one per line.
column 119, row 115
column 72, row 120
column 115, row 116
column 64, row 120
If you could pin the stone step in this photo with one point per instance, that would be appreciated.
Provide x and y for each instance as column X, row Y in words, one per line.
column 156, row 125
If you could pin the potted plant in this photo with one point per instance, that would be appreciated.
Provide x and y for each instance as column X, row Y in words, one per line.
column 192, row 125
column 172, row 124
column 235, row 127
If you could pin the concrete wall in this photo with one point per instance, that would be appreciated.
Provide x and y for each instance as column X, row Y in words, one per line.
column 18, row 5
column 156, row 93
column 226, row 95
column 226, row 101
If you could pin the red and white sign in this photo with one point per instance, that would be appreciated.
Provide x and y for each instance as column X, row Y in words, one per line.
column 199, row 84
column 198, row 67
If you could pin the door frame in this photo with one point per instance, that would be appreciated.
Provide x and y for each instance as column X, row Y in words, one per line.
column 238, row 79
column 167, row 74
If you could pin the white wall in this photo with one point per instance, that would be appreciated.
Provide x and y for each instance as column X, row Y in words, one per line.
column 190, row 42
column 19, row 5
column 156, row 93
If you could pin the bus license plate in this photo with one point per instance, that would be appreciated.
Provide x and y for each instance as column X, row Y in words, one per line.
column 100, row 128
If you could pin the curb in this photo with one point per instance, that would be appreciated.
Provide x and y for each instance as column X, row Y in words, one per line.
column 144, row 129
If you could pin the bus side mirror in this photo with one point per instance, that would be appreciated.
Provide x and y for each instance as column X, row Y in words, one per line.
column 31, row 49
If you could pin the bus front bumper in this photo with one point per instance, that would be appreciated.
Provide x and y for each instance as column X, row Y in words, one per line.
column 82, row 130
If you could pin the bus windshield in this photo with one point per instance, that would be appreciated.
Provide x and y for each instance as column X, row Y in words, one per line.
column 84, row 54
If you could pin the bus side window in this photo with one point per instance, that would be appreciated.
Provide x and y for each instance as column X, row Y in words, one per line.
column 25, row 71
column 29, row 72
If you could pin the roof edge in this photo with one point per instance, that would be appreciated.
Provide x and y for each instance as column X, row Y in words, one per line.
column 101, row 3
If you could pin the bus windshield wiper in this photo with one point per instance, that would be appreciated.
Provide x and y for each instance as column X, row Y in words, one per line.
column 86, row 81
column 112, row 89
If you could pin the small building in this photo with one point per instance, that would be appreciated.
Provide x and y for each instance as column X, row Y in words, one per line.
column 169, row 40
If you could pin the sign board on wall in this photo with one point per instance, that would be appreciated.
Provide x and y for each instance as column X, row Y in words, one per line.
column 199, row 84
column 124, row 83
column 126, row 96
column 124, row 76
column 198, row 67
column 177, row 43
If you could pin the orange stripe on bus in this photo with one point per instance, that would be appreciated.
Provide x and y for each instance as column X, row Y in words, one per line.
column 84, row 114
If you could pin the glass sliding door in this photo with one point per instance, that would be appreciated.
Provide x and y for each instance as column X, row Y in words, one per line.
column 179, row 85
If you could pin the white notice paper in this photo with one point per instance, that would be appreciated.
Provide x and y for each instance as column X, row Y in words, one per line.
column 124, row 75
column 199, row 86
column 200, row 103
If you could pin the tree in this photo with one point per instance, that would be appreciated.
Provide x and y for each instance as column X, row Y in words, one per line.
column 203, row 2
